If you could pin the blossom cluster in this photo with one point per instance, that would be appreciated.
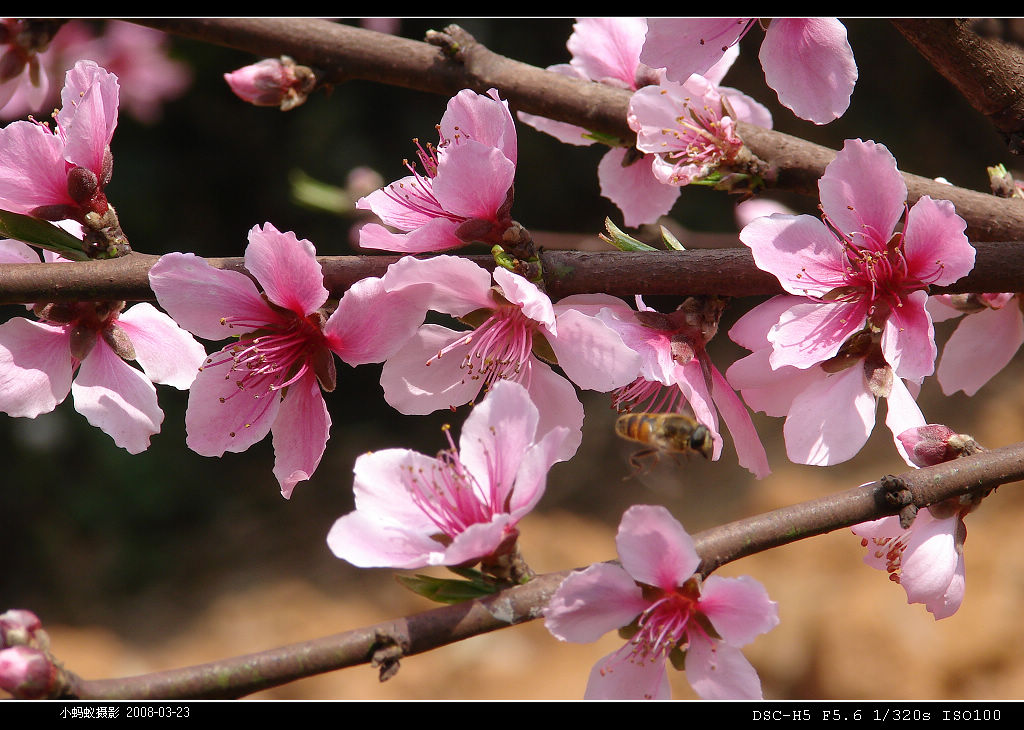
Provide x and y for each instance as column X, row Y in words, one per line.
column 855, row 326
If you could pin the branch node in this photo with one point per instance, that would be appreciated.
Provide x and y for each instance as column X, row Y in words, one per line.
column 386, row 653
column 453, row 42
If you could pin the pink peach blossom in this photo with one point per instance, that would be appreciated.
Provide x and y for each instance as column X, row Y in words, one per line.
column 854, row 270
column 829, row 407
column 82, row 348
column 984, row 342
column 276, row 82
column 607, row 50
column 926, row 559
column 668, row 609
column 270, row 379
column 675, row 369
column 690, row 128
column 807, row 61
column 61, row 174
column 460, row 507
column 443, row 368
column 464, row 193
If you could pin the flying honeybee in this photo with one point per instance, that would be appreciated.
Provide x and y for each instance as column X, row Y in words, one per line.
column 669, row 433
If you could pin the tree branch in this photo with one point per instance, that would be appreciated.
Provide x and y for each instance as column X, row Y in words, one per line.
column 728, row 272
column 343, row 53
column 383, row 644
column 987, row 71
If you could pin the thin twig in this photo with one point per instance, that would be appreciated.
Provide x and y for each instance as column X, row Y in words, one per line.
column 239, row 676
column 343, row 53
column 998, row 267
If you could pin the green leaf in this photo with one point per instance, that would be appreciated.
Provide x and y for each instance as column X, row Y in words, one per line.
column 622, row 241
column 318, row 195
column 447, row 590
column 670, row 240
column 42, row 234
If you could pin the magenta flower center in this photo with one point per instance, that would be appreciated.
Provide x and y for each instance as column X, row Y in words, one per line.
column 499, row 349
column 875, row 270
column 452, row 497
column 666, row 623
column 648, row 396
column 702, row 139
column 275, row 355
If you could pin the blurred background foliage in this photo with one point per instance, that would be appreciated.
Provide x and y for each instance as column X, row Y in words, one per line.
column 93, row 536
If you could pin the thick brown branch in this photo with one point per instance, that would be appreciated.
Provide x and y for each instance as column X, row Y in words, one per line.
column 421, row 632
column 987, row 71
column 727, row 272
column 343, row 53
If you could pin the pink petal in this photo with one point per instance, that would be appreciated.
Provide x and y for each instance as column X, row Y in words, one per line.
column 437, row 234
column 751, row 330
column 808, row 334
column 167, row 353
column 481, row 117
column 531, row 477
column 718, row 671
column 221, row 416
column 413, row 387
column 908, row 339
column 930, row 559
column 769, row 391
column 620, row 676
column 473, row 180
column 301, row 430
column 476, row 541
column 902, row 413
column 365, row 542
column 690, row 378
column 862, row 192
column 371, row 324
column 745, row 108
column 90, row 126
column 749, row 449
column 593, row 602
column 198, row 297
column 830, row 421
column 982, row 345
column 558, row 405
column 738, row 608
column 949, row 602
column 607, row 50
column 592, row 354
column 32, row 168
column 934, row 243
column 639, row 195
column 654, row 548
column 800, row 251
column 389, row 203
column 535, row 304
column 446, row 284
column 809, row 63
column 687, row 46
column 35, row 367
column 286, row 268
column 496, row 435
column 117, row 399
column 16, row 252
column 383, row 488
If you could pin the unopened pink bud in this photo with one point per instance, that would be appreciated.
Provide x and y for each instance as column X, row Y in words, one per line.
column 934, row 444
column 18, row 627
column 27, row 673
column 272, row 82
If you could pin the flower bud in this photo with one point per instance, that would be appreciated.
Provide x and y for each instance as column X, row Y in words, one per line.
column 18, row 627
column 272, row 82
column 935, row 444
column 28, row 674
